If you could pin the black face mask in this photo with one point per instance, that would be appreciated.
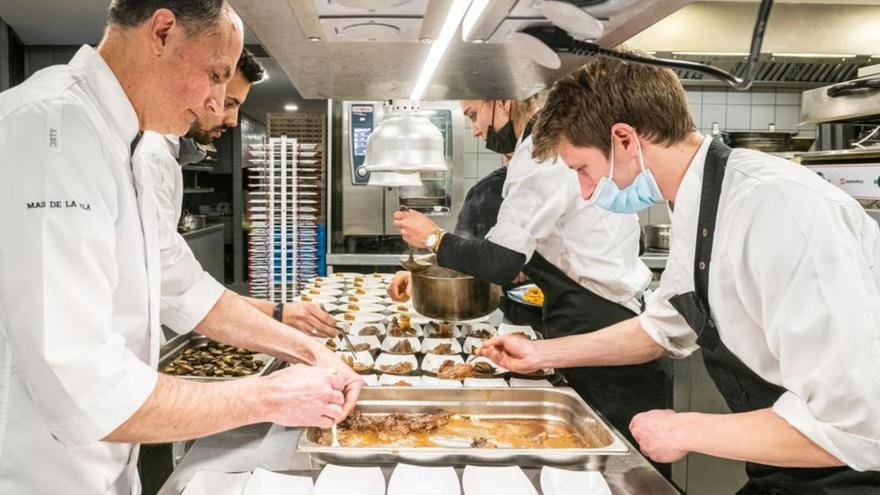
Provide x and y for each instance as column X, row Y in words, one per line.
column 502, row 141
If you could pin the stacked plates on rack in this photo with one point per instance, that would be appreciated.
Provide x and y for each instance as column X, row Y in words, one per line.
column 283, row 211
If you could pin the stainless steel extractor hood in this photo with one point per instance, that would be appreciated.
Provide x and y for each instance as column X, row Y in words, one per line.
column 360, row 49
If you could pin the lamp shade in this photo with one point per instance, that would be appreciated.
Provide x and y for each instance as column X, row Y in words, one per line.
column 405, row 141
column 394, row 179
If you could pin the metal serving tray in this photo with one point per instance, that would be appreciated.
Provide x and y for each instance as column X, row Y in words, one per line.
column 175, row 347
column 559, row 404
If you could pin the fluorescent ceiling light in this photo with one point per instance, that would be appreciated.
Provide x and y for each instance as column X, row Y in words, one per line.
column 472, row 16
column 439, row 46
column 290, row 107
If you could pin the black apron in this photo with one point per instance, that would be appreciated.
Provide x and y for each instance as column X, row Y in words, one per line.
column 618, row 392
column 742, row 388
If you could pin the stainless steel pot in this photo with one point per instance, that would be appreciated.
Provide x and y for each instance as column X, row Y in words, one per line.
column 768, row 142
column 449, row 295
column 189, row 222
column 657, row 237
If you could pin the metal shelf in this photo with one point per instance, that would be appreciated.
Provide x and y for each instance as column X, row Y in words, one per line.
column 198, row 190
column 197, row 168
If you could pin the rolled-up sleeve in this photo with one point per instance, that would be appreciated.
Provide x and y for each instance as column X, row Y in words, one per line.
column 59, row 276
column 188, row 291
column 813, row 291
column 661, row 321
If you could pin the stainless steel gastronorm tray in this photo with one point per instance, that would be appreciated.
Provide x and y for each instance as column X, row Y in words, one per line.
column 175, row 347
column 559, row 404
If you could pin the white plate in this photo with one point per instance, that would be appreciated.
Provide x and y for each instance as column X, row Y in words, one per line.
column 372, row 380
column 429, row 344
column 264, row 482
column 528, row 383
column 369, row 284
column 419, row 480
column 556, row 481
column 386, row 359
column 506, row 329
column 314, row 298
column 390, row 380
column 470, row 344
column 352, row 317
column 492, row 480
column 428, row 327
column 485, row 383
column 365, row 292
column 338, row 480
column 467, row 328
column 362, row 307
column 432, row 362
column 390, row 342
column 372, row 340
column 417, row 328
column 363, row 357
column 483, row 359
column 323, row 292
column 356, row 327
column 362, row 300
column 216, row 483
column 399, row 308
column 434, row 382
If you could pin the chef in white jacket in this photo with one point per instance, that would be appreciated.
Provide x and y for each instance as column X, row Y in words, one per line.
column 163, row 156
column 79, row 266
column 773, row 273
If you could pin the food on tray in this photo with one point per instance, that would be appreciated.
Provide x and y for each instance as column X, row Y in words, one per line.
column 353, row 307
column 402, row 347
column 315, row 291
column 331, row 344
column 214, row 360
column 401, row 383
column 363, row 346
column 443, row 349
column 357, row 366
column 401, row 328
column 306, row 299
column 535, row 296
column 450, row 370
column 401, row 368
column 419, row 430
column 403, row 308
column 439, row 330
column 361, row 291
column 350, row 317
column 484, row 368
column 479, row 333
column 353, row 299
column 370, row 330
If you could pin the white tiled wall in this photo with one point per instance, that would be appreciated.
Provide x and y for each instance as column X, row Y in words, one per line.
column 746, row 110
column 478, row 161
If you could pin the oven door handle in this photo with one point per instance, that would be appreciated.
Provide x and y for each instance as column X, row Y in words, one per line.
column 869, row 85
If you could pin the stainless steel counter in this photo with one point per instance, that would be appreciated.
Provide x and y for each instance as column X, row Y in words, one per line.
column 273, row 448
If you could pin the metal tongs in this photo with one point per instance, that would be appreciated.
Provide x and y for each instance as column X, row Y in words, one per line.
column 410, row 264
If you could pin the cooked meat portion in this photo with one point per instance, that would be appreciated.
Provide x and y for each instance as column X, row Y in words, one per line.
column 398, row 423
column 214, row 360
column 443, row 349
column 401, row 328
column 480, row 333
column 439, row 330
column 350, row 317
column 483, row 443
column 355, row 365
column 521, row 334
column 484, row 368
column 331, row 344
column 402, row 347
column 370, row 330
column 401, row 383
column 363, row 346
column 451, row 370
column 401, row 368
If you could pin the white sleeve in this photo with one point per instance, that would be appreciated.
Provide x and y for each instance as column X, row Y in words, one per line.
column 188, row 292
column 806, row 271
column 532, row 203
column 660, row 320
column 59, row 277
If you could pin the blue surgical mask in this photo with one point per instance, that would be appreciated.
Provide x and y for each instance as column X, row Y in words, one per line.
column 639, row 195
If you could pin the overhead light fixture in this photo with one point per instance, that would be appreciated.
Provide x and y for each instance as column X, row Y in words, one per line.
column 290, row 107
column 439, row 46
column 394, row 179
column 578, row 22
column 472, row 18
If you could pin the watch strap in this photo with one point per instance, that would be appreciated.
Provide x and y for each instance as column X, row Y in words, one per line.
column 278, row 313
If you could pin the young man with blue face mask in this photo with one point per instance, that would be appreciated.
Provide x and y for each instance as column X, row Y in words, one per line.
column 773, row 273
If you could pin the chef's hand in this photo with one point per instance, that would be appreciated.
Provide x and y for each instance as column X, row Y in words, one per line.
column 659, row 434
column 414, row 227
column 302, row 395
column 400, row 288
column 518, row 354
column 352, row 383
column 309, row 318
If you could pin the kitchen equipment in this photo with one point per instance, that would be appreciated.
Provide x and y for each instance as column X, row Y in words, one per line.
column 189, row 222
column 657, row 236
column 175, row 347
column 558, row 404
column 517, row 294
column 768, row 142
column 410, row 263
column 450, row 295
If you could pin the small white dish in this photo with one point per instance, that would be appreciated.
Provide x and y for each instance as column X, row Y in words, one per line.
column 490, row 480
column 483, row 359
column 372, row 340
column 265, row 482
column 361, row 300
column 364, row 358
column 529, row 383
column 372, row 380
column 399, row 308
column 316, row 298
column 362, row 291
column 216, row 483
column 429, row 345
column 478, row 330
column 506, row 329
column 432, row 329
column 362, row 307
column 323, row 292
column 416, row 331
column 337, row 480
column 395, row 380
column 326, row 285
column 419, row 480
column 358, row 327
column 385, row 360
column 432, row 362
column 555, row 481
column 357, row 316
column 470, row 344
column 485, row 383
column 434, row 382
column 390, row 342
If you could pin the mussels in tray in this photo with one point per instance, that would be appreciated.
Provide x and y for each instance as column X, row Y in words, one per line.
column 450, row 370
column 214, row 360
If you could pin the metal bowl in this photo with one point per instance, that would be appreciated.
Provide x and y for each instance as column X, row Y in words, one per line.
column 657, row 237
column 449, row 295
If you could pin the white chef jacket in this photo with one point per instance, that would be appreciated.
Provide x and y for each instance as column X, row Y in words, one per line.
column 79, row 282
column 188, row 292
column 543, row 211
column 793, row 290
